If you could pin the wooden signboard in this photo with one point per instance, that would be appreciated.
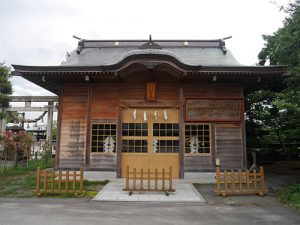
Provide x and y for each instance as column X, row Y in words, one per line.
column 214, row 109
column 151, row 92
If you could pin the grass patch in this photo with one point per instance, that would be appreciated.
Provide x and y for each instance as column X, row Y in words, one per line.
column 20, row 182
column 91, row 189
column 290, row 195
column 21, row 170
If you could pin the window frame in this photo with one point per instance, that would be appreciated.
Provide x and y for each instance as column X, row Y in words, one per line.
column 210, row 140
column 116, row 140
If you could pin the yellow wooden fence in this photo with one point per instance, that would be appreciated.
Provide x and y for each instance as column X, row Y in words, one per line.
column 59, row 181
column 240, row 182
column 141, row 180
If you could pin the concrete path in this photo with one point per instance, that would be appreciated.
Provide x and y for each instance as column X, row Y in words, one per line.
column 184, row 192
column 83, row 212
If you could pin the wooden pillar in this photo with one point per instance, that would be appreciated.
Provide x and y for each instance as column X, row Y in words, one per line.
column 88, row 130
column 58, row 132
column 181, row 134
column 119, row 142
column 243, row 123
column 49, row 124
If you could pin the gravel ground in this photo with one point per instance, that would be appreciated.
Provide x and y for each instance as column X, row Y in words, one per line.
column 273, row 182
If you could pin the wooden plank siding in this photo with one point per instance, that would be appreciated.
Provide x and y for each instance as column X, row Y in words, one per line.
column 229, row 145
column 73, row 126
column 226, row 138
column 104, row 162
column 197, row 163
column 107, row 100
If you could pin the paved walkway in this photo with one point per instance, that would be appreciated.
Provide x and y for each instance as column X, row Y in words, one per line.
column 82, row 212
column 184, row 192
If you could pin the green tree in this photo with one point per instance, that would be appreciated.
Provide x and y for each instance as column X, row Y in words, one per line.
column 273, row 113
column 5, row 88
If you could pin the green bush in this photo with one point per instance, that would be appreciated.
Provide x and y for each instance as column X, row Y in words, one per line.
column 291, row 195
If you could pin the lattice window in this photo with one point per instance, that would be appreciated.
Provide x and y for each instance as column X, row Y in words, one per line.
column 135, row 129
column 134, row 137
column 166, row 129
column 168, row 146
column 197, row 138
column 134, row 146
column 104, row 137
column 166, row 137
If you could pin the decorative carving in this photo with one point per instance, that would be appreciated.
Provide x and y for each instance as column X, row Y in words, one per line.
column 150, row 45
column 145, row 116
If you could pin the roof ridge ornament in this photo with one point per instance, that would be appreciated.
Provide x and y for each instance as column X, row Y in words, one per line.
column 80, row 44
column 150, row 44
column 222, row 44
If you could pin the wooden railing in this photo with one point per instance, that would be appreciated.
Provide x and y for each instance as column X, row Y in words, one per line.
column 153, row 180
column 237, row 183
column 59, row 181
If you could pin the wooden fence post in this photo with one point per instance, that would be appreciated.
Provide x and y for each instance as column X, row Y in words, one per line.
column 240, row 181
column 254, row 180
column 218, row 179
column 262, row 181
column 81, row 179
column 232, row 181
column 170, row 179
column 52, row 180
column 45, row 179
column 134, row 179
column 142, row 182
column 127, row 178
column 59, row 180
column 155, row 180
column 247, row 180
column 38, row 180
column 149, row 179
column 74, row 180
column 225, row 183
column 163, row 179
column 67, row 180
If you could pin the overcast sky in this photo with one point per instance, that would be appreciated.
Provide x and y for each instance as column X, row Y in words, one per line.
column 39, row 32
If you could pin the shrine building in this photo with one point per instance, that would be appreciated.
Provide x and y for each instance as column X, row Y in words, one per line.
column 150, row 104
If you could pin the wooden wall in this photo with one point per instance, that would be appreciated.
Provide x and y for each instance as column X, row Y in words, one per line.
column 104, row 102
column 227, row 142
column 73, row 127
column 229, row 145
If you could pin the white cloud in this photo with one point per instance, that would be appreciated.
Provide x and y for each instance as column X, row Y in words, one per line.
column 39, row 32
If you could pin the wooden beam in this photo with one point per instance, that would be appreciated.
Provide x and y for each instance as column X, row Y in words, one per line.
column 181, row 133
column 34, row 99
column 30, row 109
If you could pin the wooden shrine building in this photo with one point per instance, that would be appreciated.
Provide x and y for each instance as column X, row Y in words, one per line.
column 150, row 104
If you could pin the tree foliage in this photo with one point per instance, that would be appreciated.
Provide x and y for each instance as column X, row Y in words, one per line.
column 5, row 88
column 273, row 113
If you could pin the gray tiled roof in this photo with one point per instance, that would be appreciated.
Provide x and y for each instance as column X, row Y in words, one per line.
column 109, row 52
